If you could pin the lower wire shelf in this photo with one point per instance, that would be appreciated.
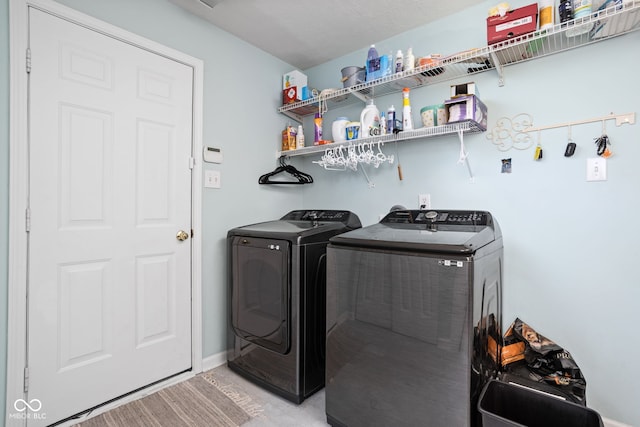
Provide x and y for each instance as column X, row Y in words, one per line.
column 467, row 126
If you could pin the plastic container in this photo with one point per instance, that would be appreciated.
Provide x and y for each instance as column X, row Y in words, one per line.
column 565, row 10
column 383, row 123
column 409, row 60
column 317, row 129
column 370, row 121
column 391, row 119
column 373, row 64
column 339, row 129
column 288, row 138
column 353, row 130
column 384, row 66
column 503, row 404
column 546, row 12
column 399, row 62
column 300, row 137
column 433, row 115
column 353, row 75
column 407, row 121
column 581, row 8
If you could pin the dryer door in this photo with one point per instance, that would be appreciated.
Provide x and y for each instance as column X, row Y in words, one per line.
column 260, row 281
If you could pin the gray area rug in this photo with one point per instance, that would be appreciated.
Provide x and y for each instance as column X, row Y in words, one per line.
column 202, row 401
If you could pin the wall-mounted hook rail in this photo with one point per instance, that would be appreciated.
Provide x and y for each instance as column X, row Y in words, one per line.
column 627, row 118
column 514, row 132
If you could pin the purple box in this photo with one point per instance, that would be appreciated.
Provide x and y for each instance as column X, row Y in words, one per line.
column 463, row 108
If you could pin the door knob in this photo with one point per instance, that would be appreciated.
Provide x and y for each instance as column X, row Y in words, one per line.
column 182, row 235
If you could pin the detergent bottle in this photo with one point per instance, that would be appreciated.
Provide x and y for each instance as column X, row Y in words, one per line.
column 373, row 64
column 370, row 121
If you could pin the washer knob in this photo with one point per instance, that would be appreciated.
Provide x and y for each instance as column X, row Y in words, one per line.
column 432, row 215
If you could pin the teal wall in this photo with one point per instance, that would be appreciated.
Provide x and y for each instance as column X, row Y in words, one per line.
column 569, row 254
column 570, row 266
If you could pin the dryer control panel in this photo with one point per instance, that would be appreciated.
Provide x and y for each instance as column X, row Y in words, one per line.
column 345, row 217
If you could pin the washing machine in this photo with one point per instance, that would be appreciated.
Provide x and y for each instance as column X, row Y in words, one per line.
column 413, row 308
column 277, row 293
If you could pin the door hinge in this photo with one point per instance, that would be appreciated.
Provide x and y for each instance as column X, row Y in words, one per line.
column 26, row 379
column 192, row 162
column 28, row 60
column 27, row 220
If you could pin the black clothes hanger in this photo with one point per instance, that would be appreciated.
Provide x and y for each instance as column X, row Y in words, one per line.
column 300, row 177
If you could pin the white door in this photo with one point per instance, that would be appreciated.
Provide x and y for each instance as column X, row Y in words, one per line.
column 109, row 293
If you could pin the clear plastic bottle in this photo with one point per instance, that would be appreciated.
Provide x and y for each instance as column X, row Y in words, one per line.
column 373, row 64
column 407, row 121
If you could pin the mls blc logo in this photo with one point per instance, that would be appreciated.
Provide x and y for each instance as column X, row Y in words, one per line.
column 28, row 410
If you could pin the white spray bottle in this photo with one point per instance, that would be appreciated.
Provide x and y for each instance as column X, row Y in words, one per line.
column 407, row 121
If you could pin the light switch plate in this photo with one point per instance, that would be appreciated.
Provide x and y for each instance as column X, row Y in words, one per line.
column 212, row 179
column 597, row 169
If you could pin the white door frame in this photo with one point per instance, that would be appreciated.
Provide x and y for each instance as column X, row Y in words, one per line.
column 19, row 186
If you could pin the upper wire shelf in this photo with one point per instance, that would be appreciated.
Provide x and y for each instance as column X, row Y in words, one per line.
column 601, row 25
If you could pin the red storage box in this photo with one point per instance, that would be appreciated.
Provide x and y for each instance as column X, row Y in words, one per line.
column 515, row 23
column 290, row 95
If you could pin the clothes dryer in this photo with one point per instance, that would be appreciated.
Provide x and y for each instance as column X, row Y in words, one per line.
column 277, row 290
column 412, row 305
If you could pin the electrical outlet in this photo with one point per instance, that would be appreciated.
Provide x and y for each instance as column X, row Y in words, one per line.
column 597, row 169
column 424, row 201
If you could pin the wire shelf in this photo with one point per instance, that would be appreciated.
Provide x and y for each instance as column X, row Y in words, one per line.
column 600, row 25
column 467, row 127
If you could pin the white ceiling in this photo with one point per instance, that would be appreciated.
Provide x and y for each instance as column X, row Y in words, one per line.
column 305, row 33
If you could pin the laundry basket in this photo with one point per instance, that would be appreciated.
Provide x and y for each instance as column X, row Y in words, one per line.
column 504, row 404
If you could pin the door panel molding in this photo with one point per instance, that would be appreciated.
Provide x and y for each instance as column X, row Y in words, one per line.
column 19, row 184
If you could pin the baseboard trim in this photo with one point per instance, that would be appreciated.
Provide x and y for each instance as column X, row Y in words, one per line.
column 218, row 359
column 611, row 423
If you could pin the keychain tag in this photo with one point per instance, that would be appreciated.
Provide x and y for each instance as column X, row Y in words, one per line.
column 570, row 150
column 538, row 153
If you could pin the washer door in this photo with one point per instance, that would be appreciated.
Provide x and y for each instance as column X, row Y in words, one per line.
column 260, row 281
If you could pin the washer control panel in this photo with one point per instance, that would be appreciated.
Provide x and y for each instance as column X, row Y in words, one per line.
column 437, row 217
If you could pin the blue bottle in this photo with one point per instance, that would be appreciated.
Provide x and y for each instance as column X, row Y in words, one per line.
column 373, row 64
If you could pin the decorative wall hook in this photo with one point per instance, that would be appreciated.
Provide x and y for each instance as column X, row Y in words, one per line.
column 514, row 132
column 511, row 132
